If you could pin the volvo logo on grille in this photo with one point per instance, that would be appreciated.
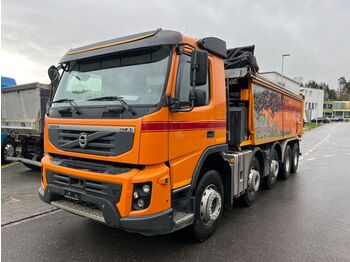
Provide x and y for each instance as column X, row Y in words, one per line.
column 83, row 142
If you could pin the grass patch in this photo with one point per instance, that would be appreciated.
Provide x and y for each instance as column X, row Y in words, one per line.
column 309, row 126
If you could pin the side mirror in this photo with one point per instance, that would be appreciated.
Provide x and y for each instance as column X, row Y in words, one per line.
column 54, row 76
column 199, row 96
column 199, row 67
column 53, row 73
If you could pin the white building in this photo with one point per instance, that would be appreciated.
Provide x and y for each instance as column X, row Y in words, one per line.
column 285, row 81
column 313, row 102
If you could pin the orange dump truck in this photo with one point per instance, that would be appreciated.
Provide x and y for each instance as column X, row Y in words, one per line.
column 154, row 132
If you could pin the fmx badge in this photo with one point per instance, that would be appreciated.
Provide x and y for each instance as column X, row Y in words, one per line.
column 127, row 129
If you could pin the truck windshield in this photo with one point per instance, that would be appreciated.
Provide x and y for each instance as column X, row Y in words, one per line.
column 138, row 77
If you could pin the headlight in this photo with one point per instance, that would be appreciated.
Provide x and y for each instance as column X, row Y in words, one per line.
column 146, row 189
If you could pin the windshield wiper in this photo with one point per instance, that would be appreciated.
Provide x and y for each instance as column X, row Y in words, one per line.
column 70, row 102
column 115, row 98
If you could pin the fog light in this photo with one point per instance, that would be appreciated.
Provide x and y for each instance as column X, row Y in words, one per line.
column 140, row 203
column 141, row 196
column 136, row 195
column 146, row 189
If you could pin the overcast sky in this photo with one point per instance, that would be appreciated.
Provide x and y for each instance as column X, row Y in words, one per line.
column 36, row 33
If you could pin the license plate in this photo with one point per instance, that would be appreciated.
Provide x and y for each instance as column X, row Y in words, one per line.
column 72, row 195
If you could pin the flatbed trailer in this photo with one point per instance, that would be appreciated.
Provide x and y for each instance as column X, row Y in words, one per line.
column 157, row 131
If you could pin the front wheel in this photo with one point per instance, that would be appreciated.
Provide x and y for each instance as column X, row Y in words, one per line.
column 8, row 149
column 209, row 205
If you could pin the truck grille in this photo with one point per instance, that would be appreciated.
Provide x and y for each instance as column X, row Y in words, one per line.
column 103, row 167
column 98, row 140
column 109, row 190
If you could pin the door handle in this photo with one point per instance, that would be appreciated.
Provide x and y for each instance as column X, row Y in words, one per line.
column 210, row 134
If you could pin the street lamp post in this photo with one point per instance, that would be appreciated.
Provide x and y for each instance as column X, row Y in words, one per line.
column 283, row 55
column 317, row 108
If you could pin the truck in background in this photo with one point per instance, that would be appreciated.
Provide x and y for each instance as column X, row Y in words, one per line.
column 23, row 109
column 7, row 143
column 157, row 131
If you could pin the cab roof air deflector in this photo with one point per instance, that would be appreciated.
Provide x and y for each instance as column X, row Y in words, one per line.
column 146, row 39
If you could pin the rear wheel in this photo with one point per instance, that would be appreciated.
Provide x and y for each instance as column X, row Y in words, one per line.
column 254, row 178
column 287, row 164
column 209, row 205
column 295, row 158
column 8, row 149
column 270, row 180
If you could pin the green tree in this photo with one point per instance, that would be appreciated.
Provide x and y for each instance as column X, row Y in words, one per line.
column 329, row 94
column 344, row 88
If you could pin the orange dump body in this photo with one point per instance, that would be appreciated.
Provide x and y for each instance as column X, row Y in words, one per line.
column 278, row 114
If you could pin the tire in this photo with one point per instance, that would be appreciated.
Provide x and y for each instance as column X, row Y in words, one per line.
column 209, row 187
column 287, row 164
column 251, row 192
column 8, row 149
column 295, row 158
column 39, row 155
column 270, row 180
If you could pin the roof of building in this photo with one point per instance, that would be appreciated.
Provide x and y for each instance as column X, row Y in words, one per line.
column 309, row 88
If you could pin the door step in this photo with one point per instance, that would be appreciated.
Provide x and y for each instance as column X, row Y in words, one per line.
column 182, row 219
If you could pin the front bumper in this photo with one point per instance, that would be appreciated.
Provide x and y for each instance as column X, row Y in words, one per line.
column 160, row 223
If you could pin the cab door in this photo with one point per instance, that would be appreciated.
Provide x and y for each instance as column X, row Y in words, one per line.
column 190, row 133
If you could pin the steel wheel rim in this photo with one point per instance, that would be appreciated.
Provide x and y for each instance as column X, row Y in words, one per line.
column 296, row 159
column 274, row 169
column 210, row 205
column 9, row 150
column 287, row 163
column 253, row 183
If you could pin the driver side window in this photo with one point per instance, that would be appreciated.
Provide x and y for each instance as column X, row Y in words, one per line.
column 183, row 84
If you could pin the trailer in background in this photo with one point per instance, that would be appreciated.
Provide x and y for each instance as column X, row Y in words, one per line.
column 23, row 109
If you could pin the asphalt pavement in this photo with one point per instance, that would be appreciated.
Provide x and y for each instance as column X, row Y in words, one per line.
column 306, row 218
column 19, row 197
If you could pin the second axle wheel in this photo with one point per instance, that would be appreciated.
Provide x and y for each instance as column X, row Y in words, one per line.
column 254, row 179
